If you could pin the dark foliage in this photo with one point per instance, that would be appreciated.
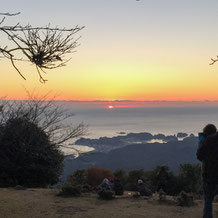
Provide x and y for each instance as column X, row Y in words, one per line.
column 32, row 134
column 70, row 191
column 190, row 178
column 97, row 174
column 27, row 157
column 87, row 188
column 78, row 177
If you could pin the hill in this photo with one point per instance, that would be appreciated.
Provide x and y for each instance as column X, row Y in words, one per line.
column 138, row 156
column 40, row 203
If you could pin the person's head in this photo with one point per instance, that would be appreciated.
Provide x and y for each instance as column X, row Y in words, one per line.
column 209, row 129
column 139, row 182
column 105, row 180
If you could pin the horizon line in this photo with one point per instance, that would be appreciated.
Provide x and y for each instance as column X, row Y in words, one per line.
column 120, row 101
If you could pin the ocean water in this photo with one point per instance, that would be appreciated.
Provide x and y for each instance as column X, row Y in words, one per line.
column 105, row 122
column 166, row 120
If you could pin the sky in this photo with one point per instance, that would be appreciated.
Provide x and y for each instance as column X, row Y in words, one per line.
column 147, row 50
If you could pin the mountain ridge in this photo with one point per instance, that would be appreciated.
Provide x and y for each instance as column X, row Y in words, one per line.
column 138, row 156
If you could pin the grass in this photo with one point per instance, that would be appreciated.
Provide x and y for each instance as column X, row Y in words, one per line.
column 44, row 203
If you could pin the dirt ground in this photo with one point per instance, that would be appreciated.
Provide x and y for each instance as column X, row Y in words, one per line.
column 42, row 203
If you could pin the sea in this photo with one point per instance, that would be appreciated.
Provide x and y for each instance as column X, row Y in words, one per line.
column 109, row 120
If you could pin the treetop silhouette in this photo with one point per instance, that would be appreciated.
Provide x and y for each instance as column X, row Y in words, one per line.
column 45, row 47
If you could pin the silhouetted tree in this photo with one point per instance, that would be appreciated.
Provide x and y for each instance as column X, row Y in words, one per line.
column 45, row 47
column 190, row 178
column 27, row 157
column 31, row 137
column 161, row 177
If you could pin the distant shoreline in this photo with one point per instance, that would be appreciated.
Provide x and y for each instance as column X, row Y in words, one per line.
column 106, row 144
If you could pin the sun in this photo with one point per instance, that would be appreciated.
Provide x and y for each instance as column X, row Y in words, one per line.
column 110, row 107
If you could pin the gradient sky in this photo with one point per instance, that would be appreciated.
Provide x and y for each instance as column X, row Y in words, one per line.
column 138, row 50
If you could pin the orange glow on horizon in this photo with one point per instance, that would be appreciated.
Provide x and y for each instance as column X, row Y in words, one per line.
column 117, row 79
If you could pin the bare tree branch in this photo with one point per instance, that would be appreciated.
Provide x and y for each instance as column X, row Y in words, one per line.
column 214, row 60
column 45, row 114
column 45, row 47
column 10, row 14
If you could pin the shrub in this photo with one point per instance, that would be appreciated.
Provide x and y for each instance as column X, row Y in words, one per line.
column 27, row 157
column 96, row 175
column 86, row 188
column 78, row 177
column 70, row 191
column 190, row 178
column 31, row 137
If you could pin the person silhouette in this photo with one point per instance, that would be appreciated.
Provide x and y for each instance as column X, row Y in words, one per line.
column 207, row 153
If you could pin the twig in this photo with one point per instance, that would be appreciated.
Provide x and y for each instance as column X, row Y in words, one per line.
column 45, row 47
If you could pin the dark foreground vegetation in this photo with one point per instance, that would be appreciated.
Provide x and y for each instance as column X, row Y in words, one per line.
column 32, row 136
column 188, row 179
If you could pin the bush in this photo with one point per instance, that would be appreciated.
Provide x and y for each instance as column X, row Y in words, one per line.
column 31, row 137
column 86, row 188
column 96, row 175
column 27, row 157
column 70, row 191
column 78, row 177
column 190, row 178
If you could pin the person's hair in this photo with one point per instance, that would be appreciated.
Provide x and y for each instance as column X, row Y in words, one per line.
column 140, row 181
column 209, row 129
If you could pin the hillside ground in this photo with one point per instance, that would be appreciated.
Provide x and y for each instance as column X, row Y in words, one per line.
column 42, row 203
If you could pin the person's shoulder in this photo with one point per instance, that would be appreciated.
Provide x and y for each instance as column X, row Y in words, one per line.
column 212, row 138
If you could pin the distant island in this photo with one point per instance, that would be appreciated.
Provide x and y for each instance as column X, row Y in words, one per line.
column 106, row 144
